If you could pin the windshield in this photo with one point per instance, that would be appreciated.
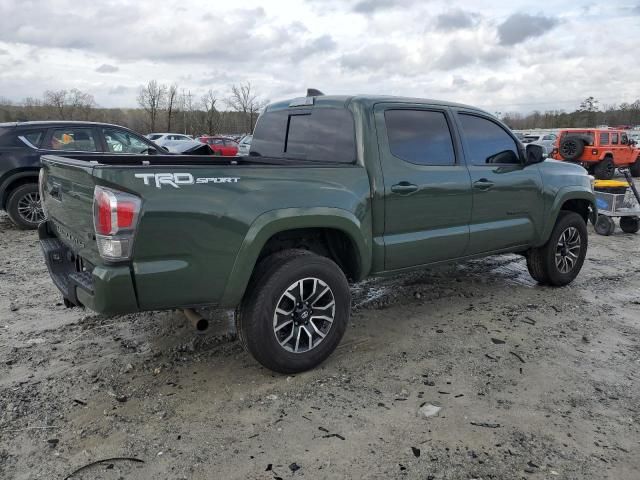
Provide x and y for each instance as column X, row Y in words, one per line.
column 530, row 138
column 154, row 137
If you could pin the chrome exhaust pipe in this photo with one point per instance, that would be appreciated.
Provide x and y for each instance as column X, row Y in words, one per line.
column 199, row 323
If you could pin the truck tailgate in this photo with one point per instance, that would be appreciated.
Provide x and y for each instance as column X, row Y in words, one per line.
column 66, row 187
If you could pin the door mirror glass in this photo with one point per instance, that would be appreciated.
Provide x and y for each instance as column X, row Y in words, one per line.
column 535, row 153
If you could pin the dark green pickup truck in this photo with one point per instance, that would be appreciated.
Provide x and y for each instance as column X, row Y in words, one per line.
column 334, row 189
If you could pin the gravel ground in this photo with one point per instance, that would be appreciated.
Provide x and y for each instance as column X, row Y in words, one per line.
column 531, row 382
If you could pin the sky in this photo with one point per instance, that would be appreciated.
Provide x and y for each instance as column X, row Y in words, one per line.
column 500, row 56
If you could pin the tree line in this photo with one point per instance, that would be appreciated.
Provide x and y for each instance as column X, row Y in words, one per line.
column 169, row 108
column 161, row 108
column 588, row 114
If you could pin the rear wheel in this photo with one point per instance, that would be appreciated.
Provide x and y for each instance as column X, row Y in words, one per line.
column 24, row 208
column 604, row 169
column 630, row 224
column 559, row 261
column 605, row 225
column 295, row 311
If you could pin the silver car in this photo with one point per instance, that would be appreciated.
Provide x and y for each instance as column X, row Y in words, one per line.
column 546, row 140
column 244, row 146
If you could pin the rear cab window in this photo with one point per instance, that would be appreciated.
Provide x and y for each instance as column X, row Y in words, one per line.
column 319, row 134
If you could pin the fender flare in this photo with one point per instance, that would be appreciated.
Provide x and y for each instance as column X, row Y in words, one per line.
column 11, row 179
column 276, row 221
column 568, row 192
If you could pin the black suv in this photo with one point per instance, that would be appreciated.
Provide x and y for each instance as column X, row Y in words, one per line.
column 22, row 143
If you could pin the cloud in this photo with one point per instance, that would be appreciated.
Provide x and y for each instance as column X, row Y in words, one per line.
column 4, row 51
column 372, row 6
column 455, row 56
column 322, row 44
column 106, row 68
column 455, row 20
column 381, row 56
column 521, row 26
column 119, row 90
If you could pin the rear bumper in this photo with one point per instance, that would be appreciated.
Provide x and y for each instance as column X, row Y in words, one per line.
column 104, row 289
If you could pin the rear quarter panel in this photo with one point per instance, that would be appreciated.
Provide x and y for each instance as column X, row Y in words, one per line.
column 190, row 239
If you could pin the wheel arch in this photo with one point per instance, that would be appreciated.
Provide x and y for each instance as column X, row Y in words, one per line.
column 15, row 180
column 332, row 232
column 570, row 198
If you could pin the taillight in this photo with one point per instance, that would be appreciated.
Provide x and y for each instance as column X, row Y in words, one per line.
column 115, row 215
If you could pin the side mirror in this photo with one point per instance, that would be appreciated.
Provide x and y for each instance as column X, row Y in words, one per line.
column 534, row 153
column 152, row 151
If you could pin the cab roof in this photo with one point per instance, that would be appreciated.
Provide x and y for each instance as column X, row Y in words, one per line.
column 343, row 101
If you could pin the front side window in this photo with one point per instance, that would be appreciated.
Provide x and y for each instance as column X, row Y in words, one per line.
column 488, row 143
column 120, row 141
column 73, row 139
column 624, row 139
column 319, row 134
column 604, row 139
column 421, row 137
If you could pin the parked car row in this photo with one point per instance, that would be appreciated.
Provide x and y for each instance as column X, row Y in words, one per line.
column 23, row 143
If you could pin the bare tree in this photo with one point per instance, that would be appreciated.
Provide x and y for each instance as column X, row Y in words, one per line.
column 212, row 115
column 172, row 103
column 151, row 98
column 80, row 104
column 57, row 101
column 244, row 99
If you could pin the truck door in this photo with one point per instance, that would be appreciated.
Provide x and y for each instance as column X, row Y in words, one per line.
column 508, row 204
column 427, row 189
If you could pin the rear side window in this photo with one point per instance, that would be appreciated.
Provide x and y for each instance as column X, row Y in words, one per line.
column 73, row 139
column 604, row 139
column 614, row 138
column 10, row 137
column 488, row 143
column 419, row 136
column 321, row 135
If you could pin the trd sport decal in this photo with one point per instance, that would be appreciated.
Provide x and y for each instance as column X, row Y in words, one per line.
column 176, row 179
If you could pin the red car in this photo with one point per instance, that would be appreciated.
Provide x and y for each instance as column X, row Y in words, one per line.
column 221, row 145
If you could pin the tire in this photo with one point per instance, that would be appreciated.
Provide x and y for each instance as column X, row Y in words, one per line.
column 630, row 224
column 275, row 282
column 23, row 206
column 605, row 169
column 604, row 225
column 634, row 169
column 571, row 147
column 569, row 240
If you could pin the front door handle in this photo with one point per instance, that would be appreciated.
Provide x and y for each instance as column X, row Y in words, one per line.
column 404, row 188
column 483, row 184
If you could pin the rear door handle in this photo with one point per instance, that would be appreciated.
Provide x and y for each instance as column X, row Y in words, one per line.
column 483, row 184
column 404, row 188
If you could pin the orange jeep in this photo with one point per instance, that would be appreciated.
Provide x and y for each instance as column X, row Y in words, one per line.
column 599, row 150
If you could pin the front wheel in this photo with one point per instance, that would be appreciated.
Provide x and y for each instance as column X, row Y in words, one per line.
column 559, row 261
column 295, row 311
column 24, row 208
column 634, row 169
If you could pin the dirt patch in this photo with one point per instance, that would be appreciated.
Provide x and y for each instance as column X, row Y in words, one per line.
column 532, row 382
